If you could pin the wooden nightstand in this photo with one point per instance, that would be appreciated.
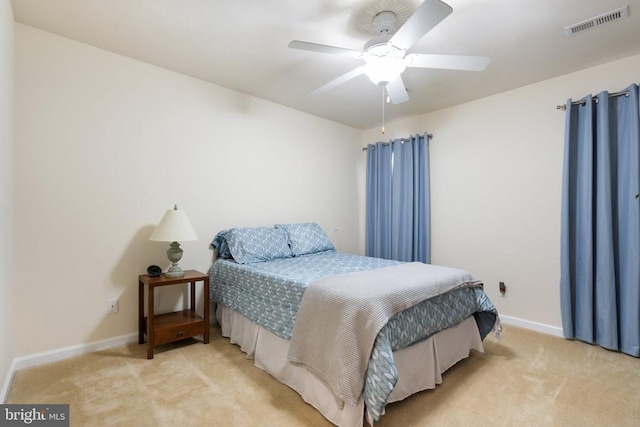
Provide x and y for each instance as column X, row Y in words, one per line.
column 168, row 327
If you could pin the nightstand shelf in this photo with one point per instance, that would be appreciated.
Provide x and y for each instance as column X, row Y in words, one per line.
column 169, row 327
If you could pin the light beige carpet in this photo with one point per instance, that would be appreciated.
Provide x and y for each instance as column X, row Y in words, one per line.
column 527, row 379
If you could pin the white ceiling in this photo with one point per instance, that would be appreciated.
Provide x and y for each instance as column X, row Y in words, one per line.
column 242, row 45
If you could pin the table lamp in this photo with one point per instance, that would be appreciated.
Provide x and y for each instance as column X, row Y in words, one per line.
column 173, row 227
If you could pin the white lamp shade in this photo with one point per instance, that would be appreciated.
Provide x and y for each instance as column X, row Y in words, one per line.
column 174, row 227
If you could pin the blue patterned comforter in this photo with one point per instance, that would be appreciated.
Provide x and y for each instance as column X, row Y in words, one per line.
column 269, row 294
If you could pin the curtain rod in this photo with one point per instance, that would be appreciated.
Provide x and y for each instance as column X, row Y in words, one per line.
column 583, row 102
column 430, row 135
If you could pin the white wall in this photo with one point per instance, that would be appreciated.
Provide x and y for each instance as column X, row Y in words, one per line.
column 105, row 144
column 6, row 194
column 496, row 174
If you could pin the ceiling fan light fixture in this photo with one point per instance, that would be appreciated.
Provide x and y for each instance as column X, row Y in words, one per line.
column 386, row 56
column 384, row 70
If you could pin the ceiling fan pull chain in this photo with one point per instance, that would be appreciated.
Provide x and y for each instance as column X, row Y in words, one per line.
column 383, row 90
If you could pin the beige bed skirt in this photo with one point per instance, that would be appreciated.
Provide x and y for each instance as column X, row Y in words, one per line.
column 420, row 366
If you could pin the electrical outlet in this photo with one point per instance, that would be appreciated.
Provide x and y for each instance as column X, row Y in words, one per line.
column 503, row 289
column 112, row 305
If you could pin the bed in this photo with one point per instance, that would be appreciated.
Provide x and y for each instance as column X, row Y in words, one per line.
column 349, row 333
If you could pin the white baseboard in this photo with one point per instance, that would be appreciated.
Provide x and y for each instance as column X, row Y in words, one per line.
column 534, row 326
column 72, row 351
column 7, row 382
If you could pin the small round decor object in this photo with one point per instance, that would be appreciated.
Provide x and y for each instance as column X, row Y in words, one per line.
column 154, row 271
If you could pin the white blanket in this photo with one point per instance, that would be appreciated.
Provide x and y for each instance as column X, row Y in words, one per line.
column 340, row 317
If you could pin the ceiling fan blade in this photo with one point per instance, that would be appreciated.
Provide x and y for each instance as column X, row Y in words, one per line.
column 428, row 15
column 323, row 48
column 340, row 80
column 447, row 62
column 397, row 92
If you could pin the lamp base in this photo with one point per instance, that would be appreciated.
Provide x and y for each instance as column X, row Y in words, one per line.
column 170, row 273
column 174, row 253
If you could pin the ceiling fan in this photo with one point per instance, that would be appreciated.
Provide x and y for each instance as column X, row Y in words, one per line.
column 386, row 56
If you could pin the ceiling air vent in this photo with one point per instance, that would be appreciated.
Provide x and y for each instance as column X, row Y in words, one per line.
column 605, row 18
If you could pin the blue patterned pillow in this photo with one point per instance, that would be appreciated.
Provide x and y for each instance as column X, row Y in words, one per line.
column 306, row 238
column 258, row 244
column 220, row 244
